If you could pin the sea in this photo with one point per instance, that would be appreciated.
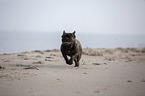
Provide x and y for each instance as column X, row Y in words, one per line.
column 15, row 42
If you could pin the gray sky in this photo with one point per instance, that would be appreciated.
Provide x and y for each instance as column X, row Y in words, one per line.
column 98, row 16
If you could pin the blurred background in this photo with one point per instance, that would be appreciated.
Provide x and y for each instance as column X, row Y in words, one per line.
column 27, row 25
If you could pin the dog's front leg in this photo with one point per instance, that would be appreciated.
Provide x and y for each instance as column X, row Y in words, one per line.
column 73, row 58
column 66, row 59
column 76, row 63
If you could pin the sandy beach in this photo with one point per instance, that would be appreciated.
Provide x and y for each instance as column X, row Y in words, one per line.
column 102, row 72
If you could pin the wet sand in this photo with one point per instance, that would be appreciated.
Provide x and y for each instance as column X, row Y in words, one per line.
column 102, row 72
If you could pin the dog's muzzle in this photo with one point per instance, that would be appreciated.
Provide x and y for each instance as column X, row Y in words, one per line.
column 66, row 43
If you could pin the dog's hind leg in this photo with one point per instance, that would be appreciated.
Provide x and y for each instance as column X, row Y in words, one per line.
column 76, row 63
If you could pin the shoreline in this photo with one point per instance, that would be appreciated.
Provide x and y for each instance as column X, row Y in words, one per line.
column 49, row 50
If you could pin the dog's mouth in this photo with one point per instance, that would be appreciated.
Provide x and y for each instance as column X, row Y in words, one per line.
column 66, row 43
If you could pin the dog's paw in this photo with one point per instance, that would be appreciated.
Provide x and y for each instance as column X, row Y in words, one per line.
column 69, row 63
column 76, row 66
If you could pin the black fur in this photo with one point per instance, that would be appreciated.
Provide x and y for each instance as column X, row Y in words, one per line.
column 71, row 47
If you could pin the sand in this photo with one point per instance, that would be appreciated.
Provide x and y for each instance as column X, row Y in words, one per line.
column 102, row 72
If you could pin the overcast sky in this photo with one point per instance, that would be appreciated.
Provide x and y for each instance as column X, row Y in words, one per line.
column 98, row 16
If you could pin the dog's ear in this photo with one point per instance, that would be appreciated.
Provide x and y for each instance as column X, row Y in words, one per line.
column 63, row 31
column 74, row 34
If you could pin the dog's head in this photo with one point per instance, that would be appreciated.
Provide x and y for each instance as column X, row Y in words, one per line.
column 68, row 39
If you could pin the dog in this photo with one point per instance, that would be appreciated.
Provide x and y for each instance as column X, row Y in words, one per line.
column 72, row 48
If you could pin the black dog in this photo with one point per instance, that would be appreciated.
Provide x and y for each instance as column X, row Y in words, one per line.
column 71, row 47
